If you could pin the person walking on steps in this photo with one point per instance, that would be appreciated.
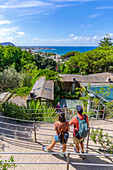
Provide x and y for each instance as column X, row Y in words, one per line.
column 62, row 135
column 81, row 129
column 58, row 106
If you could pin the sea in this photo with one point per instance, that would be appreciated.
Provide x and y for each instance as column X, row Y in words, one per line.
column 61, row 50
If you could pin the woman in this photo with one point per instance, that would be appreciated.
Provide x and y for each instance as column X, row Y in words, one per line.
column 62, row 129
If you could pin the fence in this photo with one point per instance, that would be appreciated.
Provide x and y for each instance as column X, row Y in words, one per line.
column 101, row 110
column 27, row 130
column 50, row 114
column 30, row 125
column 67, row 162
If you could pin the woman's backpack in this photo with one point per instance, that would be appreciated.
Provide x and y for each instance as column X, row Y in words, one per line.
column 63, row 137
column 62, row 132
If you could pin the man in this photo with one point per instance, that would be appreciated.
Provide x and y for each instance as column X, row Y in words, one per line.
column 58, row 106
column 76, row 135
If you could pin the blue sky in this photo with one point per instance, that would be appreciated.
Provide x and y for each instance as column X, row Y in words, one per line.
column 55, row 22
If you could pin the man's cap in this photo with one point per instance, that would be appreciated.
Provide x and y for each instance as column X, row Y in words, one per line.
column 79, row 109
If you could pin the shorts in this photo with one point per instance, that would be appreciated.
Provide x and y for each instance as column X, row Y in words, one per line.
column 77, row 141
column 56, row 137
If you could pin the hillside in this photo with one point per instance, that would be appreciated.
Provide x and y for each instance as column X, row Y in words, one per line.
column 7, row 43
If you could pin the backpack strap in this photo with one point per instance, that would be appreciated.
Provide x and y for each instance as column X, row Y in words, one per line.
column 77, row 118
column 85, row 117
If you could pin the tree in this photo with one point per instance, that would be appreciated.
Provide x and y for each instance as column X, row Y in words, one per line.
column 106, row 41
column 44, row 63
column 95, row 61
column 69, row 54
column 10, row 55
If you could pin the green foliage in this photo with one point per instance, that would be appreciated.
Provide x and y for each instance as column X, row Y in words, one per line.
column 49, row 74
column 109, row 109
column 103, row 139
column 23, row 91
column 25, row 80
column 9, row 78
column 69, row 54
column 94, row 61
column 57, row 99
column 6, row 166
column 10, row 55
column 96, row 101
column 44, row 63
column 106, row 41
column 33, row 111
column 103, row 92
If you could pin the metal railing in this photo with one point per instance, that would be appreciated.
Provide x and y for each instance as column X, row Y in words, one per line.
column 40, row 114
column 56, row 153
column 33, row 127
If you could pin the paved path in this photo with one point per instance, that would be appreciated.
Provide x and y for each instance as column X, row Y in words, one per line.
column 15, row 145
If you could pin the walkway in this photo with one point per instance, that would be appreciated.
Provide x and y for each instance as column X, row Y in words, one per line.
column 15, row 145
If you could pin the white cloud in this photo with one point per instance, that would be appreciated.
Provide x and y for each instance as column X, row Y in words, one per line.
column 8, row 31
column 88, row 38
column 20, row 33
column 9, row 34
column 74, row 0
column 95, row 37
column 2, row 22
column 93, row 16
column 75, row 38
column 86, row 26
column 111, row 34
column 71, row 35
column 105, row 7
column 80, row 38
column 24, row 4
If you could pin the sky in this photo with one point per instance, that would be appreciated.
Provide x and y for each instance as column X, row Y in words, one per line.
column 55, row 22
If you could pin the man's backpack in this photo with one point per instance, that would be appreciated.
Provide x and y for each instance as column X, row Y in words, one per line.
column 63, row 137
column 83, row 127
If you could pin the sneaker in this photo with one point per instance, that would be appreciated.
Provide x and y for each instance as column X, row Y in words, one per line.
column 45, row 149
column 82, row 156
column 62, row 155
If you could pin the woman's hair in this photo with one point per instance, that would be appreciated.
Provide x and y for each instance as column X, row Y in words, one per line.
column 62, row 117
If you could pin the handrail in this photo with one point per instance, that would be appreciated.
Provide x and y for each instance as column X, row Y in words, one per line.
column 102, row 129
column 11, row 124
column 16, row 136
column 18, row 131
column 16, row 119
column 56, row 153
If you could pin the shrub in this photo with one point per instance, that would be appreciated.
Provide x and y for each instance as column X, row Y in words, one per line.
column 9, row 78
column 33, row 111
column 23, row 91
column 103, row 139
column 25, row 80
column 6, row 166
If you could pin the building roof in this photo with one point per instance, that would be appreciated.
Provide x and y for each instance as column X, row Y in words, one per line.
column 43, row 89
column 91, row 78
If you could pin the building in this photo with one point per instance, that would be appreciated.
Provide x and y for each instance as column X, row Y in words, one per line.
column 43, row 90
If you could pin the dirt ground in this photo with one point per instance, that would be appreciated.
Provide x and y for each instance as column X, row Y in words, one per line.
column 45, row 133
